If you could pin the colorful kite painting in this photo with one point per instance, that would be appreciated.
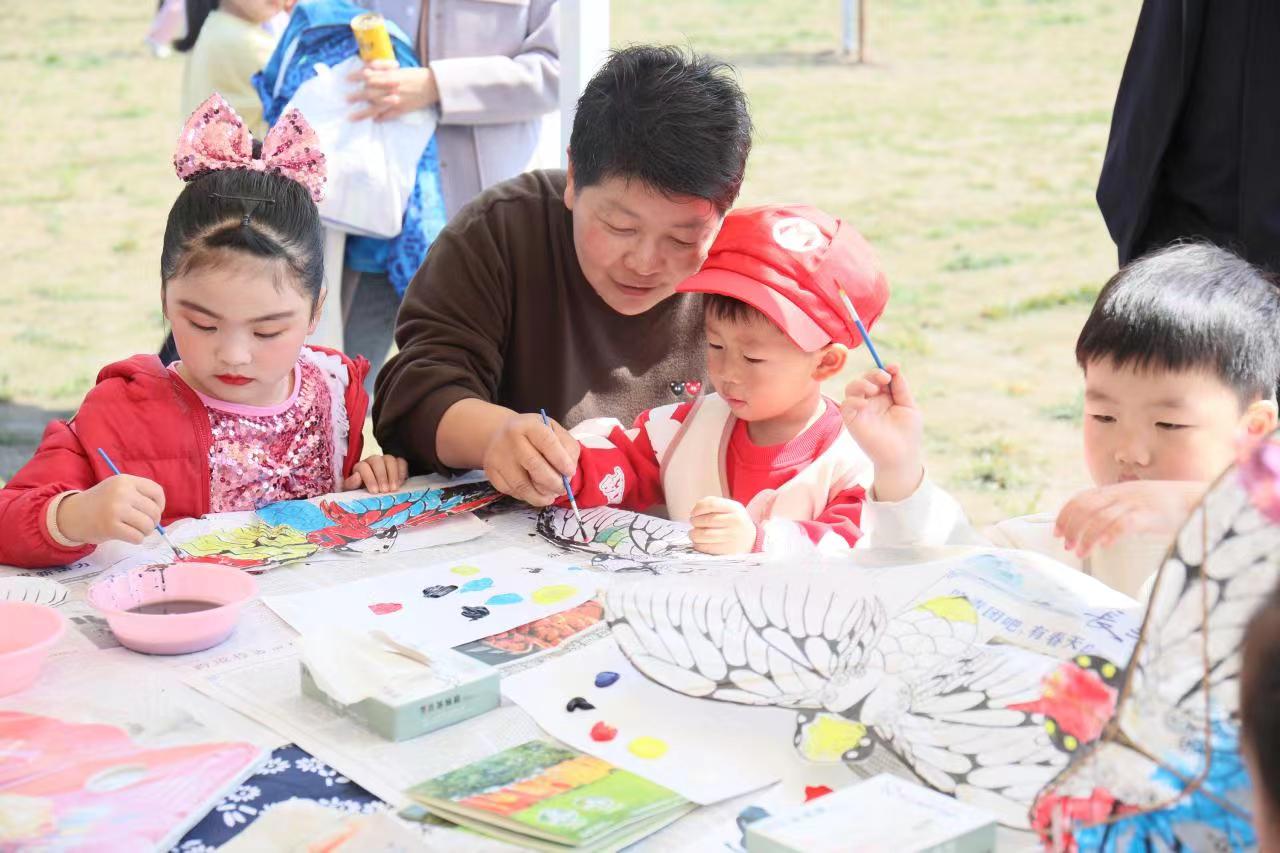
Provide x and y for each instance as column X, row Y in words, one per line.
column 297, row 530
column 1166, row 774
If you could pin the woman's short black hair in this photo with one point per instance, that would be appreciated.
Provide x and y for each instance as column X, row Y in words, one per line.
column 674, row 122
column 1191, row 306
column 239, row 210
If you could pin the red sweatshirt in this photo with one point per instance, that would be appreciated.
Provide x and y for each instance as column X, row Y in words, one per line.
column 153, row 425
column 623, row 471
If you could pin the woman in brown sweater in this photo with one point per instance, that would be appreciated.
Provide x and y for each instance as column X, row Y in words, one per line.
column 557, row 289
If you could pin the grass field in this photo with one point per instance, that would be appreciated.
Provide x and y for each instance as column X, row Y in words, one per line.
column 966, row 150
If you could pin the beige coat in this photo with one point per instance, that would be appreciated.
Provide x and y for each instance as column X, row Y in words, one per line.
column 497, row 65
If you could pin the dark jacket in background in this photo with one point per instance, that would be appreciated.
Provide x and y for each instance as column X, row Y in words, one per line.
column 1195, row 135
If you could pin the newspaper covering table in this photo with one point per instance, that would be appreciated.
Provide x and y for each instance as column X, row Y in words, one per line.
column 248, row 687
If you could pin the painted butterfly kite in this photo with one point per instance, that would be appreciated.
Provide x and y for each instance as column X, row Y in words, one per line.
column 1089, row 754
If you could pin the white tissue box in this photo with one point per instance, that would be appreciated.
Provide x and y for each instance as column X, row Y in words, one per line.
column 453, row 689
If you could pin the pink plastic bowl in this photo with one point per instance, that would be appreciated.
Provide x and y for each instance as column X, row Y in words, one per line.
column 176, row 633
column 27, row 632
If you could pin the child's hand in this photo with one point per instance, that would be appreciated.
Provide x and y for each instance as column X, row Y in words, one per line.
column 378, row 474
column 121, row 507
column 722, row 526
column 882, row 417
column 1098, row 517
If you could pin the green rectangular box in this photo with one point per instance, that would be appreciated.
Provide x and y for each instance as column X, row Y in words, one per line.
column 456, row 688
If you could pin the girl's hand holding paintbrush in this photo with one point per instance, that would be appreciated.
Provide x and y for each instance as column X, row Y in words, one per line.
column 882, row 417
column 121, row 507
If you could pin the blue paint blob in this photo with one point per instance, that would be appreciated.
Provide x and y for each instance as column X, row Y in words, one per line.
column 505, row 598
column 477, row 584
column 606, row 678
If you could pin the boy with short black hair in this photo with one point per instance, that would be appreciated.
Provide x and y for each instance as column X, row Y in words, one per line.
column 1181, row 356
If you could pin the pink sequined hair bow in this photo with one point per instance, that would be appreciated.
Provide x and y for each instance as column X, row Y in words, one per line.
column 215, row 138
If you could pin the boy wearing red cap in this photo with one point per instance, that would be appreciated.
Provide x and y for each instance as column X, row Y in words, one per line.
column 763, row 464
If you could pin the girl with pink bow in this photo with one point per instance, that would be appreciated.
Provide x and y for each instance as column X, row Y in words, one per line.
column 249, row 414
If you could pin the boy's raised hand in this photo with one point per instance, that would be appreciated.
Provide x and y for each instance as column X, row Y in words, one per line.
column 378, row 474
column 882, row 417
column 1099, row 517
column 721, row 526
column 122, row 507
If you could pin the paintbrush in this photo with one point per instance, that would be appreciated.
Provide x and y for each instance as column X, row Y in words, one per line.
column 573, row 502
column 862, row 330
column 116, row 471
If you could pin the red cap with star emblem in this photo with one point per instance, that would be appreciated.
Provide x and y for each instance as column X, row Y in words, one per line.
column 791, row 262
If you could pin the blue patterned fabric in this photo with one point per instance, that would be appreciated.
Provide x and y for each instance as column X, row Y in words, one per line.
column 319, row 31
column 290, row 773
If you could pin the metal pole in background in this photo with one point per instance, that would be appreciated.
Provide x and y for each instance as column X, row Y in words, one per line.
column 584, row 43
column 853, row 20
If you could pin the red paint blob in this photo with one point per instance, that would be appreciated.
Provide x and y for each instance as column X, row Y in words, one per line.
column 385, row 608
column 812, row 792
column 602, row 732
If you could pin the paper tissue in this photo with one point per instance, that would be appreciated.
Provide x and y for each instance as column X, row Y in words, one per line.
column 394, row 687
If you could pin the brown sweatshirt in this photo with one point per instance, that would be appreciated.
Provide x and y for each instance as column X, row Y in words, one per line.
column 500, row 311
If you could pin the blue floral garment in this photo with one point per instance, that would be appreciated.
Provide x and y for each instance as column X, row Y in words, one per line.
column 319, row 31
column 291, row 773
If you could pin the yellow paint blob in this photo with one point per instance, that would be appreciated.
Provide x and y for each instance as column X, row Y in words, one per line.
column 465, row 571
column 1050, row 726
column 554, row 593
column 647, row 747
column 1108, row 670
column 829, row 737
column 953, row 608
column 1084, row 661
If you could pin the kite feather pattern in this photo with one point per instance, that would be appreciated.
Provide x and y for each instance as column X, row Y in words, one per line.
column 981, row 722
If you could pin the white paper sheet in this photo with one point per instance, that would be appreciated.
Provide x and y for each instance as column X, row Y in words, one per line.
column 715, row 750
column 446, row 603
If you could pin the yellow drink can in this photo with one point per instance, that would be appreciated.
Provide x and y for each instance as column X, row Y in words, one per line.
column 371, row 37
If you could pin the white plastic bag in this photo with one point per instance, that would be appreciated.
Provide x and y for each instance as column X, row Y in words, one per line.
column 372, row 166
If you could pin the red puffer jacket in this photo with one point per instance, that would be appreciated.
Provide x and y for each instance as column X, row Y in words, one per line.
column 152, row 425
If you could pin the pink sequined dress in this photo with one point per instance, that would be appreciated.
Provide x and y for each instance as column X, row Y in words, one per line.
column 263, row 454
